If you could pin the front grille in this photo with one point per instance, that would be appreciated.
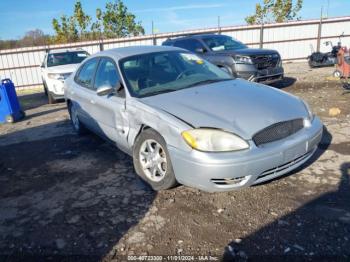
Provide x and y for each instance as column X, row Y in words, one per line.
column 278, row 131
column 66, row 75
column 280, row 168
column 265, row 61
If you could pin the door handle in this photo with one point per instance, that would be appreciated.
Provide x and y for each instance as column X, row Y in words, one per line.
column 120, row 129
column 92, row 102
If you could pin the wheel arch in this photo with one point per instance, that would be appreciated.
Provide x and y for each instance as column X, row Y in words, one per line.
column 167, row 125
column 68, row 102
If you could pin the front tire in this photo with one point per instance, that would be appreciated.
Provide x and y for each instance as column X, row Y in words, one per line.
column 50, row 98
column 77, row 125
column 152, row 161
column 45, row 88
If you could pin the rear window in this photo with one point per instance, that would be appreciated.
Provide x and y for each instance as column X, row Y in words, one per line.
column 189, row 44
column 65, row 58
column 222, row 43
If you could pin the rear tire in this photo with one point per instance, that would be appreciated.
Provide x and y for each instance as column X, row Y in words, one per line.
column 77, row 125
column 337, row 74
column 311, row 63
column 152, row 161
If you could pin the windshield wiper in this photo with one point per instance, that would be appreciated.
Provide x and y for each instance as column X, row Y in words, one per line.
column 208, row 81
column 159, row 92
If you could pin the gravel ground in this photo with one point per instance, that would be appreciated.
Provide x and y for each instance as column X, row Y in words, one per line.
column 78, row 198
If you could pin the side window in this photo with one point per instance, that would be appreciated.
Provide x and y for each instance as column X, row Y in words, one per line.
column 85, row 75
column 189, row 44
column 107, row 74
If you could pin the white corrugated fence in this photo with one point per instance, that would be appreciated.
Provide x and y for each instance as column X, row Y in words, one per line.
column 293, row 40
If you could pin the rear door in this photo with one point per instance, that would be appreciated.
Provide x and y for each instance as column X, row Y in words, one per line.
column 109, row 110
column 83, row 92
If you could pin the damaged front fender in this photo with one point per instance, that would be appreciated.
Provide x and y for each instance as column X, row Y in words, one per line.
column 169, row 126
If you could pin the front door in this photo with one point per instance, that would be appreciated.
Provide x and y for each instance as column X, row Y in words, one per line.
column 109, row 110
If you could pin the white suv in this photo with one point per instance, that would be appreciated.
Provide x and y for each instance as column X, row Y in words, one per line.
column 56, row 68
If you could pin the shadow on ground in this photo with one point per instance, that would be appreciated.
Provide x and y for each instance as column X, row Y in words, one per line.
column 317, row 231
column 324, row 144
column 67, row 196
column 31, row 101
column 286, row 82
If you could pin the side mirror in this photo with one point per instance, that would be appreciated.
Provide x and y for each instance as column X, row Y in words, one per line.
column 225, row 69
column 200, row 50
column 104, row 90
column 119, row 87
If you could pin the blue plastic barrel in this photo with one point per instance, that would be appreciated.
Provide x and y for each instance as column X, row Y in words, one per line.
column 10, row 109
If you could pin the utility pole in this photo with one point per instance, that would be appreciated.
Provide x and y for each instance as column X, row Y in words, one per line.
column 319, row 32
column 261, row 42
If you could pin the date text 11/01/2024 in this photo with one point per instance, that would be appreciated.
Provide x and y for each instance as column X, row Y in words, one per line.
column 173, row 258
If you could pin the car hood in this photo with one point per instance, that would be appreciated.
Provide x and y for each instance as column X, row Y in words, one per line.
column 249, row 52
column 238, row 106
column 62, row 69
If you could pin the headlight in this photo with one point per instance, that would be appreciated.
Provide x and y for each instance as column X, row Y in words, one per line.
column 213, row 140
column 277, row 57
column 310, row 116
column 242, row 59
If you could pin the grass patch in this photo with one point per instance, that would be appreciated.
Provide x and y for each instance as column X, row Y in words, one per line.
column 29, row 91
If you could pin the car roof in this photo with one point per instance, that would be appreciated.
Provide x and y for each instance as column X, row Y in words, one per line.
column 122, row 52
column 62, row 50
column 196, row 36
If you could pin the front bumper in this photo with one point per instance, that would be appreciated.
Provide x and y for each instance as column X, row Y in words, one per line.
column 268, row 75
column 55, row 87
column 214, row 172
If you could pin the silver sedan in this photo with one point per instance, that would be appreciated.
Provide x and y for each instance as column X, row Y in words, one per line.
column 184, row 120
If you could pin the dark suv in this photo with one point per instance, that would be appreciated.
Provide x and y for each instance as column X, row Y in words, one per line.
column 260, row 65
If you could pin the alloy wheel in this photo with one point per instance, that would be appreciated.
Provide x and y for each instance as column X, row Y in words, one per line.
column 153, row 160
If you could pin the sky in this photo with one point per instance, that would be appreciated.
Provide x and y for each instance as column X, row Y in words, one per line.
column 20, row 16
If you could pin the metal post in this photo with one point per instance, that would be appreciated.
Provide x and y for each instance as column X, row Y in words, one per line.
column 319, row 32
column 101, row 41
column 154, row 39
column 219, row 26
column 261, row 43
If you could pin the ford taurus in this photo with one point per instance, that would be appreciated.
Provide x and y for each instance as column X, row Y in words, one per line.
column 184, row 120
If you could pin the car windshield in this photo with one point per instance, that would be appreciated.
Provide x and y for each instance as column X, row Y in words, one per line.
column 222, row 42
column 65, row 58
column 162, row 72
